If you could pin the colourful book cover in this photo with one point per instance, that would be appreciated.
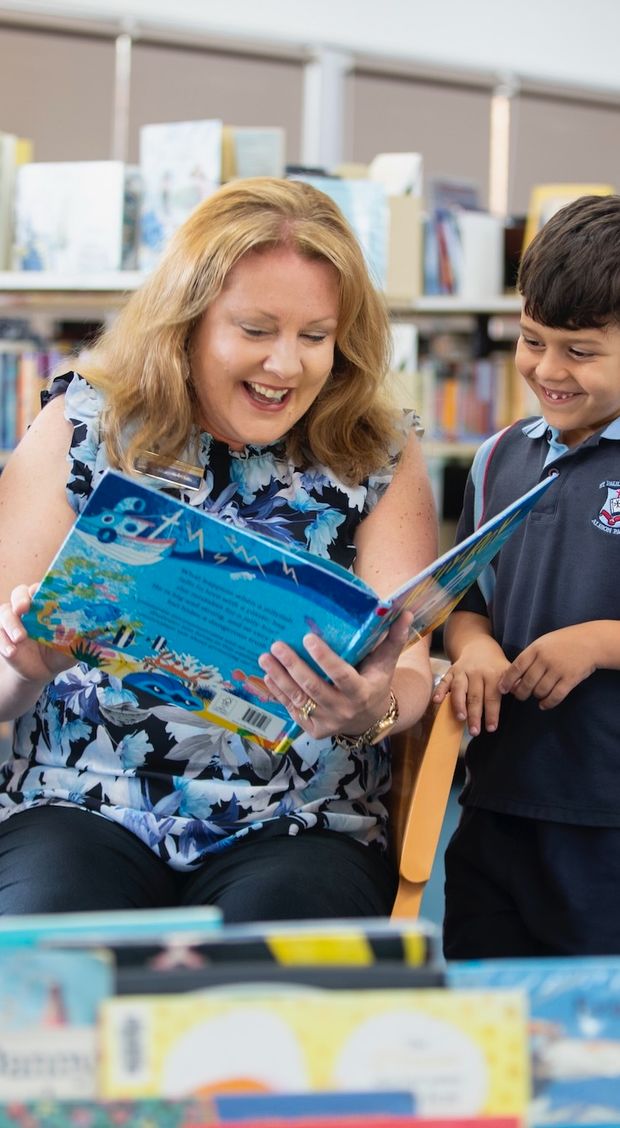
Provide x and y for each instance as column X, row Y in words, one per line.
column 202, row 1113
column 574, row 1031
column 177, row 605
column 360, row 943
column 180, row 164
column 364, row 203
column 197, row 1113
column 54, row 1113
column 371, row 1119
column 457, row 1052
column 69, row 216
column 108, row 928
column 49, row 1002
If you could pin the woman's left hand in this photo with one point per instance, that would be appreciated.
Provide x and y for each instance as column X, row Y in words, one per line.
column 353, row 698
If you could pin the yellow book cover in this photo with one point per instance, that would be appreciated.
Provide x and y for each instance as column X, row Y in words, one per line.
column 461, row 1053
column 547, row 199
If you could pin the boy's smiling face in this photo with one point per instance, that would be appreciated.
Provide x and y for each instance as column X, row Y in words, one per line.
column 575, row 373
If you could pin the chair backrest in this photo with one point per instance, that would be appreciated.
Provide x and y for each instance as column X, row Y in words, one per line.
column 423, row 763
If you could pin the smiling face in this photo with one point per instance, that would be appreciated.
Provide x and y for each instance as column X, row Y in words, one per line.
column 575, row 373
column 265, row 347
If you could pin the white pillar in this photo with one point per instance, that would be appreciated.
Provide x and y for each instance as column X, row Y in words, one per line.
column 120, row 113
column 322, row 131
column 499, row 146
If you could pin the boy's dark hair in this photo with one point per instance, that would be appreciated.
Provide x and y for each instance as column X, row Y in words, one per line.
column 569, row 275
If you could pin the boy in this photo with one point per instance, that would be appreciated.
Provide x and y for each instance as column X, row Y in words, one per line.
column 534, row 865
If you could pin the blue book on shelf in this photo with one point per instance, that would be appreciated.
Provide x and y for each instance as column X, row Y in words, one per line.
column 574, row 1032
column 177, row 605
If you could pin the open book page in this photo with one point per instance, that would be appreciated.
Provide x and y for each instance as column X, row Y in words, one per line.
column 435, row 592
column 176, row 605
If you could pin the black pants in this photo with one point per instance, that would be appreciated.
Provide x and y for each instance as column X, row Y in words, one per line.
column 61, row 859
column 525, row 887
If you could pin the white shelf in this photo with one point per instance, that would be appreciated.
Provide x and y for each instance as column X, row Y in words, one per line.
column 118, row 283
column 41, row 281
column 452, row 303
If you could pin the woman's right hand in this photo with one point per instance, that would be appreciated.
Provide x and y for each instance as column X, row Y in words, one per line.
column 29, row 660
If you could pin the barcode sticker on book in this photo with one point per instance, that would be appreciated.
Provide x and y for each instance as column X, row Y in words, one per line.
column 245, row 715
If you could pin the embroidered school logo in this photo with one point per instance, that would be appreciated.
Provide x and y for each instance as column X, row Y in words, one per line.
column 608, row 519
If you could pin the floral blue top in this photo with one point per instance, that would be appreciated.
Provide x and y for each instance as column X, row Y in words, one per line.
column 187, row 789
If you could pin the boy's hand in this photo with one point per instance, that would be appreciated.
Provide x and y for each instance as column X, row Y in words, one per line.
column 473, row 683
column 553, row 665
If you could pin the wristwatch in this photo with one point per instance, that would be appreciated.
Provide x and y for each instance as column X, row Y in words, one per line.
column 376, row 732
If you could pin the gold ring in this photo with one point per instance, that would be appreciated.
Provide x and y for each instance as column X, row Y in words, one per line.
column 307, row 709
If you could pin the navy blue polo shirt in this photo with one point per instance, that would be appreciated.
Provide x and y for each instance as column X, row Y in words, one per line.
column 560, row 567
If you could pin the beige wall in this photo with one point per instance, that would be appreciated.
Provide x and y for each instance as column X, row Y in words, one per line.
column 58, row 89
column 169, row 83
column 449, row 124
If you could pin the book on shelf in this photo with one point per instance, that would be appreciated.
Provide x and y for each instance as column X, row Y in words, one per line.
column 573, row 1031
column 453, row 193
column 400, row 173
column 25, row 367
column 14, row 151
column 177, row 605
column 252, row 150
column 49, row 1001
column 181, row 164
column 456, row 1052
column 462, row 398
column 463, row 243
column 69, row 216
column 547, row 199
column 404, row 363
column 132, row 205
column 364, row 203
column 463, row 253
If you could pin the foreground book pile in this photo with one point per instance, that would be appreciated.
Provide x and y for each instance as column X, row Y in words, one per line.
column 170, row 1019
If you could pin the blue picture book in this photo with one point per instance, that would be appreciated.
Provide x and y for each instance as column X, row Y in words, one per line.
column 49, row 1002
column 109, row 928
column 177, row 605
column 574, row 1032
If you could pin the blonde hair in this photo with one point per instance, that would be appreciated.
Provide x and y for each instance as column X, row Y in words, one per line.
column 141, row 363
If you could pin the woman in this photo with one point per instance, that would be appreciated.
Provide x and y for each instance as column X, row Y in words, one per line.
column 256, row 351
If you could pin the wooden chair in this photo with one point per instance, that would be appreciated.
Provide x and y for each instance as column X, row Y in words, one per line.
column 423, row 763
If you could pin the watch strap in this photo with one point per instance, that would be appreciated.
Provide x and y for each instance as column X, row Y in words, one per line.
column 377, row 729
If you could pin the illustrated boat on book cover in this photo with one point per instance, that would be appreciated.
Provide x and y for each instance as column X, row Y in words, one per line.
column 127, row 537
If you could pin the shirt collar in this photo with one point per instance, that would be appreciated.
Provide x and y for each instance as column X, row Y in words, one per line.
column 539, row 428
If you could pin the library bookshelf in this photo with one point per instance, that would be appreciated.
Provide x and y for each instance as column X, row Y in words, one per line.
column 45, row 299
